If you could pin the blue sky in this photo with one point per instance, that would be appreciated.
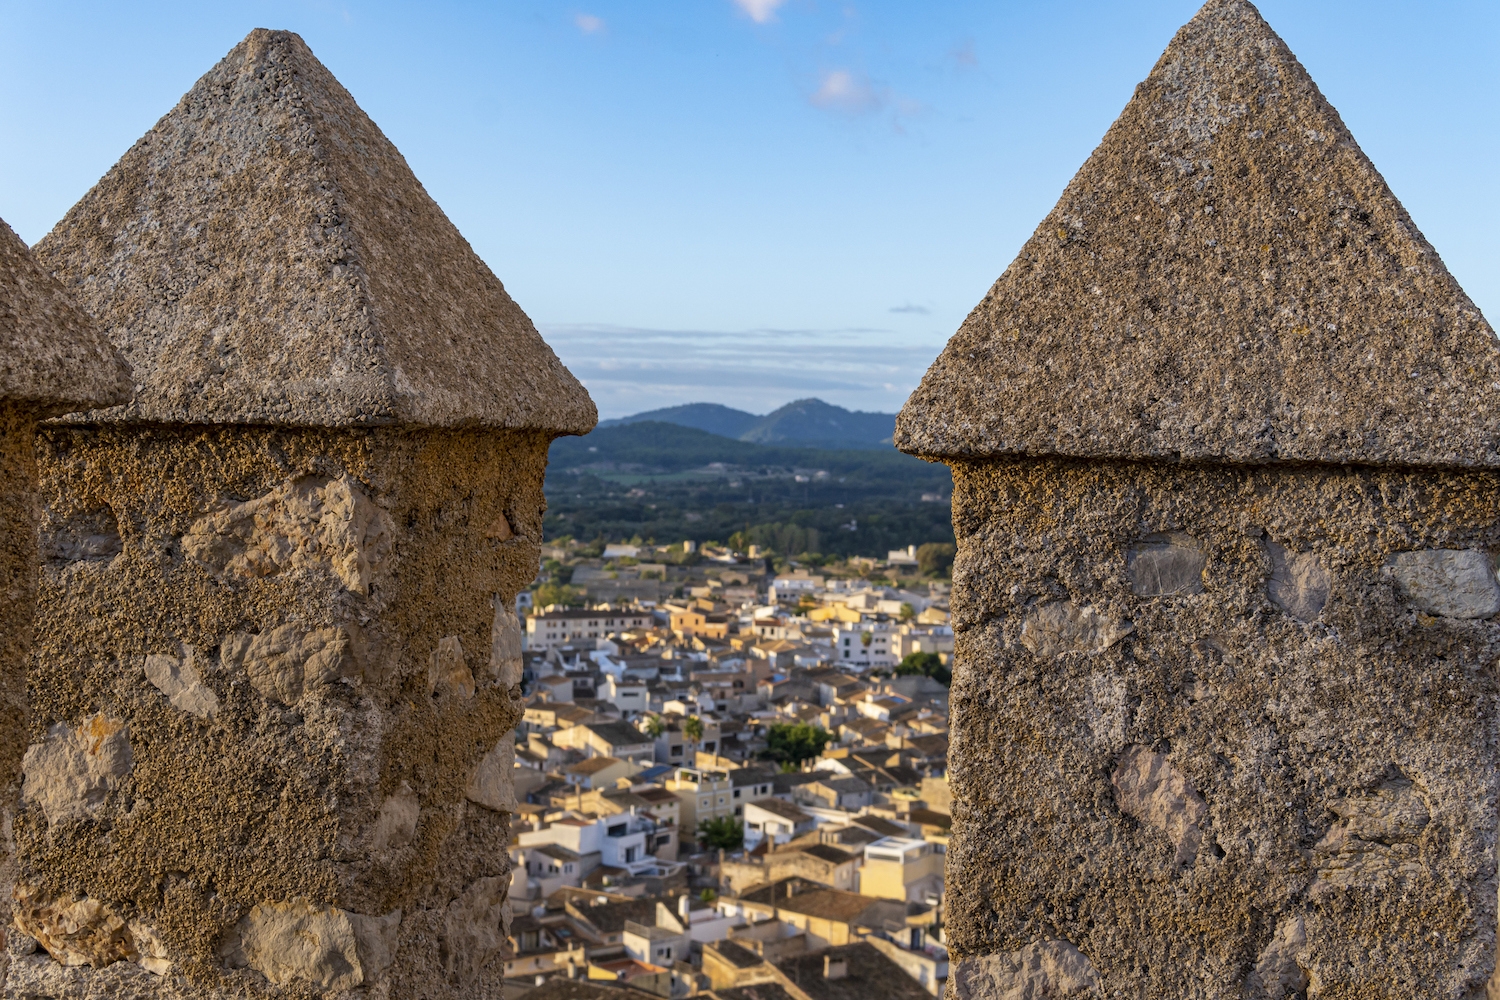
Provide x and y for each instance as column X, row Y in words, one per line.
column 750, row 201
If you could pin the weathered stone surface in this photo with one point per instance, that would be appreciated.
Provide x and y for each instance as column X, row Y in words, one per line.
column 1374, row 845
column 323, row 712
column 1278, row 974
column 1228, row 346
column 313, row 281
column 396, row 823
column 1228, row 277
column 72, row 771
column 1043, row 970
column 447, row 672
column 177, row 678
column 1149, row 788
column 286, row 662
column 1059, row 627
column 75, row 932
column 1454, row 584
column 493, row 785
column 327, row 481
column 287, row 942
column 93, row 537
column 87, row 932
column 1299, row 585
column 1347, row 765
column 375, row 941
column 474, row 929
column 1166, row 565
column 505, row 649
column 53, row 357
column 311, row 523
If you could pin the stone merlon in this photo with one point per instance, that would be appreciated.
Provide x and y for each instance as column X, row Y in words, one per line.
column 52, row 356
column 264, row 255
column 1228, row 278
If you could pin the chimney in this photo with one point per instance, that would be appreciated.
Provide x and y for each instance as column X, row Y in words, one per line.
column 685, row 908
column 835, row 968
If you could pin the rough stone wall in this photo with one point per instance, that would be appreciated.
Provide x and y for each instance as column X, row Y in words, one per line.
column 274, row 673
column 18, row 587
column 1223, row 731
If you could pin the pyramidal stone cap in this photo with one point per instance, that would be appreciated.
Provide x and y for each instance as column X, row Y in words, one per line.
column 265, row 255
column 52, row 355
column 1228, row 278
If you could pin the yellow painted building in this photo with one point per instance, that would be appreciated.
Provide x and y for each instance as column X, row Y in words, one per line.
column 901, row 868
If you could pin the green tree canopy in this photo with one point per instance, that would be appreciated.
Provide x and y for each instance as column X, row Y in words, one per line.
column 723, row 833
column 926, row 664
column 654, row 726
column 692, row 728
column 794, row 742
column 557, row 593
column 935, row 558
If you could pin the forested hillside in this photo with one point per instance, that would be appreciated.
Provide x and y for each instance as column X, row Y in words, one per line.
column 665, row 482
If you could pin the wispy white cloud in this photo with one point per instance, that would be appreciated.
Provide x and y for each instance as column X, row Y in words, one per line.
column 629, row 369
column 588, row 23
column 846, row 91
column 912, row 308
column 963, row 54
column 759, row 11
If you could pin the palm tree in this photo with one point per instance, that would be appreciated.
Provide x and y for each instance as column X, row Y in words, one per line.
column 654, row 726
column 692, row 728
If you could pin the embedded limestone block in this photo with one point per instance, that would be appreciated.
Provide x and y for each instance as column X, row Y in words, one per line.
column 1448, row 583
column 287, row 662
column 72, row 771
column 1299, row 585
column 474, row 929
column 312, row 522
column 177, row 677
column 1166, row 565
column 87, row 932
column 1149, row 788
column 297, row 941
column 1278, row 972
column 396, row 822
column 506, row 647
column 1063, row 627
column 493, row 784
column 92, row 537
column 500, row 529
column 447, row 672
column 1373, row 844
column 375, row 941
column 1042, row 970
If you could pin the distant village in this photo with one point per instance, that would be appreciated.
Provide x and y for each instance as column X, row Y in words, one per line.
column 731, row 776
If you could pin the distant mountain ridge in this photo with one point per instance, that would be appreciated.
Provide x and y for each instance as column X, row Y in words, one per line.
column 803, row 423
column 714, row 418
